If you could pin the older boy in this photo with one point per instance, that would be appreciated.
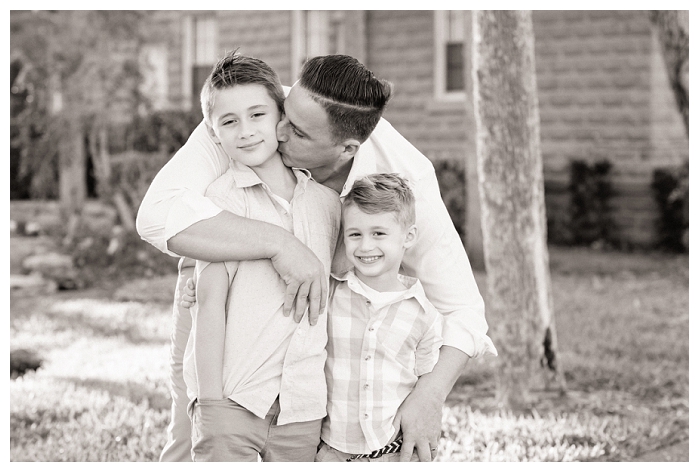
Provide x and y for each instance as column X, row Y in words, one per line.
column 383, row 332
column 254, row 377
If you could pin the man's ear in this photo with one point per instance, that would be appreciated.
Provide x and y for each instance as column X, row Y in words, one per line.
column 410, row 237
column 349, row 148
column 212, row 133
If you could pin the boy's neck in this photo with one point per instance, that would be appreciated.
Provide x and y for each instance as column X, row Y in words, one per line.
column 278, row 177
column 386, row 282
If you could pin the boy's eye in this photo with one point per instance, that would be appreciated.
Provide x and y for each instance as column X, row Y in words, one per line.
column 379, row 233
column 353, row 235
column 227, row 122
column 257, row 115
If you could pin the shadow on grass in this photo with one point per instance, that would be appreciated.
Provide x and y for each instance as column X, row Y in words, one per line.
column 137, row 393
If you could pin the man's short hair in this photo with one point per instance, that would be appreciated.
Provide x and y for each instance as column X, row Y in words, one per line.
column 383, row 193
column 237, row 69
column 349, row 92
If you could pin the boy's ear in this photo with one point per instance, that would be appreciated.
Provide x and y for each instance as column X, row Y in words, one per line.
column 350, row 147
column 212, row 133
column 410, row 237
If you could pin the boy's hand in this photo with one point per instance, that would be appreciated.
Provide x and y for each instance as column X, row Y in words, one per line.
column 306, row 281
column 189, row 297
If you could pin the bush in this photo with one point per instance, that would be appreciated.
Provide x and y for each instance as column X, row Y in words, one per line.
column 671, row 192
column 451, row 176
column 590, row 214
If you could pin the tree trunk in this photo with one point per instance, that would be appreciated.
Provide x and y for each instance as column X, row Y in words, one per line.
column 474, row 233
column 71, row 180
column 511, row 184
column 673, row 32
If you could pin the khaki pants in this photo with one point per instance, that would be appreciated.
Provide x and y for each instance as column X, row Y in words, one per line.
column 224, row 431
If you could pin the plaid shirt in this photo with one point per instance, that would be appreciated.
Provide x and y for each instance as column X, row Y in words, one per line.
column 377, row 349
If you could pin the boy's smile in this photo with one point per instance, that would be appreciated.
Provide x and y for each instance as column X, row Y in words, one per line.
column 375, row 244
column 244, row 120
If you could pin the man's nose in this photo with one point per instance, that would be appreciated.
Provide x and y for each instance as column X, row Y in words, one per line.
column 282, row 130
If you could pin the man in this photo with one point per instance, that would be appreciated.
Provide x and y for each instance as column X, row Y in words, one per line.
column 328, row 115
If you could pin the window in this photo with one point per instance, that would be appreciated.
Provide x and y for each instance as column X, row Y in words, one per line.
column 199, row 56
column 315, row 33
column 449, row 27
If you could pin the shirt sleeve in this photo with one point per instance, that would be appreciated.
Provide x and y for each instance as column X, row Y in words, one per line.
column 175, row 199
column 439, row 260
column 427, row 351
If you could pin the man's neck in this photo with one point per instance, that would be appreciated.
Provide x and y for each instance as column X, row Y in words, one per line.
column 333, row 177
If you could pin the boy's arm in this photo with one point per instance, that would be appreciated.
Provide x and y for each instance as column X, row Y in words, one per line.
column 209, row 328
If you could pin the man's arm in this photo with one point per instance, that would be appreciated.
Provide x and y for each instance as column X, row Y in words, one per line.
column 177, row 218
column 209, row 328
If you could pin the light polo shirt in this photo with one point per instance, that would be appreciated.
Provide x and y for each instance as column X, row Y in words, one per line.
column 265, row 353
column 175, row 201
column 379, row 343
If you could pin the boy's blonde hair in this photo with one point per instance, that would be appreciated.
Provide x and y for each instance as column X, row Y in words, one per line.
column 237, row 69
column 383, row 193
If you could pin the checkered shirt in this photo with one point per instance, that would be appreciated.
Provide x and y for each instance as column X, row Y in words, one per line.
column 377, row 349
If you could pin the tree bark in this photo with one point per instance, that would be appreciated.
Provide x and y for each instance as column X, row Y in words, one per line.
column 673, row 32
column 71, row 180
column 511, row 184
column 474, row 232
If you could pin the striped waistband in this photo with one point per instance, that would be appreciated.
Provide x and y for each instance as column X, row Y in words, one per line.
column 387, row 449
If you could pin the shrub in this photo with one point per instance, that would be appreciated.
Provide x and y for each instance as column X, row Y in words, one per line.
column 671, row 192
column 590, row 214
column 451, row 176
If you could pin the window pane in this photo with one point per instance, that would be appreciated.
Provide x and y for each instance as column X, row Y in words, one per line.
column 199, row 75
column 455, row 67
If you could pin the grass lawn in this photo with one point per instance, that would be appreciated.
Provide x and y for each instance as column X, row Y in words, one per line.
column 623, row 331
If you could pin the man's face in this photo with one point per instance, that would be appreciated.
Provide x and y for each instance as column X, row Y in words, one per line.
column 304, row 133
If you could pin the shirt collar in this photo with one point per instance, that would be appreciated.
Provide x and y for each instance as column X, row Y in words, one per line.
column 414, row 287
column 244, row 176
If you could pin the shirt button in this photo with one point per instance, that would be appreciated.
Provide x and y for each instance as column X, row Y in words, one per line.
column 366, row 386
column 367, row 358
column 368, row 302
column 366, row 415
column 371, row 328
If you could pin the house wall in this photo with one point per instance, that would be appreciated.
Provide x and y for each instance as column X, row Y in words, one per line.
column 604, row 94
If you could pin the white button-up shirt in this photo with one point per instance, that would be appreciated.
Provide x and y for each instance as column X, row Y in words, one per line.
column 175, row 201
column 265, row 353
column 379, row 343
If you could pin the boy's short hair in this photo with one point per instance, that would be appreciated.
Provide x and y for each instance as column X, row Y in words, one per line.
column 349, row 92
column 237, row 69
column 383, row 193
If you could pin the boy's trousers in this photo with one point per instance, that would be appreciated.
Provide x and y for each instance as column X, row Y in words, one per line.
column 224, row 431
column 178, row 447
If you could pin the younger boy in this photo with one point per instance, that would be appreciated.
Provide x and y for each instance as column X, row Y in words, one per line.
column 254, row 377
column 383, row 333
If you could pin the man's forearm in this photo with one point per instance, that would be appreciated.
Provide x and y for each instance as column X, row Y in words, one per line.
column 445, row 373
column 229, row 237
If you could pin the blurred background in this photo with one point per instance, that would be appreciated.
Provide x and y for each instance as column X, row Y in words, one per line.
column 100, row 100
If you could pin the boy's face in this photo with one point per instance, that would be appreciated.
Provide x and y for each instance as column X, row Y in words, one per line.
column 375, row 243
column 244, row 121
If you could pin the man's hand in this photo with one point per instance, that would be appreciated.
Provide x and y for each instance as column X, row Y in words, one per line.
column 420, row 419
column 306, row 281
